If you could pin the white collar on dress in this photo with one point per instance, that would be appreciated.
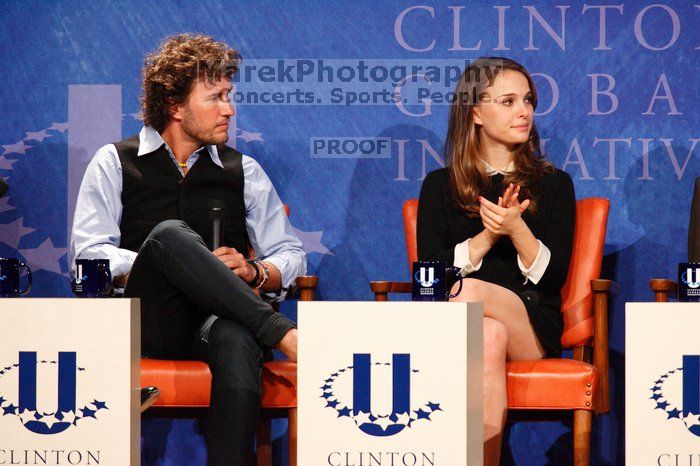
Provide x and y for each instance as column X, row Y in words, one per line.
column 490, row 171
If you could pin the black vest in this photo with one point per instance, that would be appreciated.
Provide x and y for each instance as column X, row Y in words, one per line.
column 153, row 190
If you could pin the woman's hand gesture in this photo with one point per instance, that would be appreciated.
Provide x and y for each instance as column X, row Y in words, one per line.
column 503, row 218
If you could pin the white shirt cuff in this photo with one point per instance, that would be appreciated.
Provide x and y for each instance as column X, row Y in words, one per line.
column 462, row 259
column 539, row 265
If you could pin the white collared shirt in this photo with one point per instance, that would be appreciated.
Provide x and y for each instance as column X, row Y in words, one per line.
column 533, row 273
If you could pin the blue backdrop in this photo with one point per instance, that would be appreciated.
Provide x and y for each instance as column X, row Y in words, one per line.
column 618, row 93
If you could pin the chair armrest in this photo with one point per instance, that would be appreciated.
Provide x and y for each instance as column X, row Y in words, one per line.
column 307, row 286
column 601, row 302
column 662, row 288
column 381, row 289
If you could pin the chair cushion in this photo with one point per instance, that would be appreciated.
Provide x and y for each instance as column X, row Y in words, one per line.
column 186, row 384
column 551, row 384
column 279, row 385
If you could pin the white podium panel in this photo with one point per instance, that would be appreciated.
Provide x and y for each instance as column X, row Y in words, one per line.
column 662, row 384
column 69, row 381
column 390, row 383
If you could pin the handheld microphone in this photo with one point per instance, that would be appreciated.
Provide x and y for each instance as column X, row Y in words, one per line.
column 216, row 215
column 3, row 187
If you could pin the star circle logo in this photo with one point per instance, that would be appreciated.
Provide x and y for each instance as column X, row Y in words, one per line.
column 18, row 393
column 677, row 394
column 354, row 380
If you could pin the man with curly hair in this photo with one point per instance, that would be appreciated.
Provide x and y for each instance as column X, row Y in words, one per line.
column 145, row 204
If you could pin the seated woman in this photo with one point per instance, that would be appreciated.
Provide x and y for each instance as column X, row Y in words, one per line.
column 505, row 216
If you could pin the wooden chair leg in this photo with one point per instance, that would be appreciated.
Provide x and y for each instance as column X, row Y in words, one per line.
column 582, row 437
column 263, row 441
column 292, row 437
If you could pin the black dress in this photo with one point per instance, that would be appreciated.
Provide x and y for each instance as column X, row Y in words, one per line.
column 442, row 225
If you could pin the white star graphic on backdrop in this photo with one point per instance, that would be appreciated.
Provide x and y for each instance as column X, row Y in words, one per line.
column 38, row 136
column 27, row 415
column 311, row 241
column 68, row 416
column 49, row 420
column 11, row 233
column 383, row 422
column 62, row 127
column 16, row 148
column 361, row 418
column 403, row 418
column 691, row 420
column 247, row 136
column 5, row 204
column 44, row 257
column 6, row 164
column 135, row 116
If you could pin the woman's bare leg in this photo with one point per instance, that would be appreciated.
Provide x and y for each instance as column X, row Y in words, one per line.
column 508, row 336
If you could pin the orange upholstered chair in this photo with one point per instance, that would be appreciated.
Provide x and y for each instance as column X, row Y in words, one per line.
column 538, row 389
column 185, row 389
column 185, row 385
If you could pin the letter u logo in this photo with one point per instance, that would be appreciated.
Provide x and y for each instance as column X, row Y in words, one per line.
column 691, row 389
column 691, row 384
column 689, row 277
column 79, row 274
column 430, row 279
column 401, row 391
column 66, row 389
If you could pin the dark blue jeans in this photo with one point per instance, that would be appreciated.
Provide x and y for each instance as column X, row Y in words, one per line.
column 180, row 284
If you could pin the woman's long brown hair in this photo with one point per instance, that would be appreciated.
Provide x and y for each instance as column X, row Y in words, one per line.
column 468, row 177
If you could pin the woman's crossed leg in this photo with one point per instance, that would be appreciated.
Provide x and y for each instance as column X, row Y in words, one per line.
column 508, row 336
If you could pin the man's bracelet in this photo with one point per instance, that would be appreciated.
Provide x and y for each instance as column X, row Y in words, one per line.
column 266, row 274
column 253, row 283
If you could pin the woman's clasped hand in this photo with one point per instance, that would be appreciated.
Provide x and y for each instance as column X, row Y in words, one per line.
column 503, row 218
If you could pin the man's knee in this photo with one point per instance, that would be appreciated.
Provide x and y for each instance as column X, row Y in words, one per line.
column 168, row 231
column 229, row 339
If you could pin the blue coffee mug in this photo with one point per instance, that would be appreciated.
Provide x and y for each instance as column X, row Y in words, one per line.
column 93, row 278
column 429, row 281
column 9, row 278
